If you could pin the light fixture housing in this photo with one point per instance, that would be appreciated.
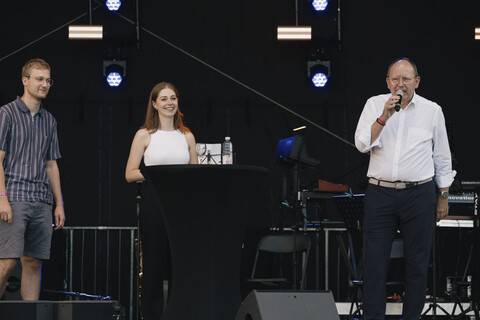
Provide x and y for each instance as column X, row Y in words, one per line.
column 318, row 72
column 319, row 67
column 477, row 33
column 294, row 33
column 85, row 32
column 114, row 71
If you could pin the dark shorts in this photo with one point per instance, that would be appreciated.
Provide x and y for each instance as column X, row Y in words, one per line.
column 30, row 233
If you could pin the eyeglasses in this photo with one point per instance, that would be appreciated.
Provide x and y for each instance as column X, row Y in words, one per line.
column 48, row 81
column 396, row 80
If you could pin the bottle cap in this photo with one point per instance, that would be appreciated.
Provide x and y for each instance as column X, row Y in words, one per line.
column 227, row 138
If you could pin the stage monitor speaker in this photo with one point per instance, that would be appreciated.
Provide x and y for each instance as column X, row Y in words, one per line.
column 27, row 310
column 288, row 305
column 84, row 310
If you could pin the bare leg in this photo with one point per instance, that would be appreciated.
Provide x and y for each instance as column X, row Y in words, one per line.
column 31, row 276
column 6, row 266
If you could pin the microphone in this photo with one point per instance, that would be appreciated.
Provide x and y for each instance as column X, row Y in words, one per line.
column 139, row 191
column 398, row 105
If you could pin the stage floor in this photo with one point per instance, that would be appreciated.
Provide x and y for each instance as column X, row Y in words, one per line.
column 395, row 308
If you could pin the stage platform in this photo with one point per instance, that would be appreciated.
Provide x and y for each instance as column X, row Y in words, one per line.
column 99, row 310
column 395, row 308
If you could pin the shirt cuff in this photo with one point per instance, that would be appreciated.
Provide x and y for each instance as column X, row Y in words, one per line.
column 445, row 181
column 366, row 145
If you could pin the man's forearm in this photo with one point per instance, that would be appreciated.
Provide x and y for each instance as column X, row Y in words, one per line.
column 3, row 187
column 54, row 178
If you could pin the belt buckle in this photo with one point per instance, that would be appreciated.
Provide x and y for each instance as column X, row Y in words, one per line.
column 399, row 185
column 409, row 185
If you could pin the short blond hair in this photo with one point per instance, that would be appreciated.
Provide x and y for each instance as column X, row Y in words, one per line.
column 36, row 63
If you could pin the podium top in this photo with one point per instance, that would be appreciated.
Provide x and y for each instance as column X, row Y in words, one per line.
column 202, row 168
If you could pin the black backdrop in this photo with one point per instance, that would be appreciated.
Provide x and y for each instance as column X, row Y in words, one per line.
column 96, row 124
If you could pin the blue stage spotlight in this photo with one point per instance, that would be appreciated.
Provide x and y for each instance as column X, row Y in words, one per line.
column 318, row 72
column 113, row 5
column 319, row 79
column 320, row 5
column 318, row 68
column 114, row 71
column 114, row 79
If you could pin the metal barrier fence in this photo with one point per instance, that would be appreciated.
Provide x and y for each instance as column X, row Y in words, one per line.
column 100, row 261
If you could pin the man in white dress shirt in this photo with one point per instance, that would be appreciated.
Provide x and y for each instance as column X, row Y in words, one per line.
column 410, row 172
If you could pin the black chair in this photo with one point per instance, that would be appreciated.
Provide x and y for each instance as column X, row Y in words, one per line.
column 279, row 245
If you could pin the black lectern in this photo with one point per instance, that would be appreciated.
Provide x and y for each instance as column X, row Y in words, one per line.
column 205, row 210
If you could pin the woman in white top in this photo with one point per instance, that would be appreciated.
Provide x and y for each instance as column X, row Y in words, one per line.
column 163, row 119
column 163, row 139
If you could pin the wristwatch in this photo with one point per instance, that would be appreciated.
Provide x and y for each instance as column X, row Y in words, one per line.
column 443, row 194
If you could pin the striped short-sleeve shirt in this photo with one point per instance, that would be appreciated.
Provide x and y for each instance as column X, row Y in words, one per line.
column 28, row 142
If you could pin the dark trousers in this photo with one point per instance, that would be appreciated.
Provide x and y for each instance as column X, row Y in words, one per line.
column 412, row 211
column 156, row 254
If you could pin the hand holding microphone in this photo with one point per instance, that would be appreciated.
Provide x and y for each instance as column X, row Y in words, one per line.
column 393, row 103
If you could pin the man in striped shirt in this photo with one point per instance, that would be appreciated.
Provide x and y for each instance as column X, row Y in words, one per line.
column 29, row 180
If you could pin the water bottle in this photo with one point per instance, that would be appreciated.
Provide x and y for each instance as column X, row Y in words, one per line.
column 227, row 151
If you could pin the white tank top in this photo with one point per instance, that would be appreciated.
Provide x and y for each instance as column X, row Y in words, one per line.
column 166, row 147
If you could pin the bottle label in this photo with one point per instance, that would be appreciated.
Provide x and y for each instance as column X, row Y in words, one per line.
column 227, row 154
column 227, row 159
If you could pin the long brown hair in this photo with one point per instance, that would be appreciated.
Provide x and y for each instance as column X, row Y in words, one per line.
column 152, row 122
